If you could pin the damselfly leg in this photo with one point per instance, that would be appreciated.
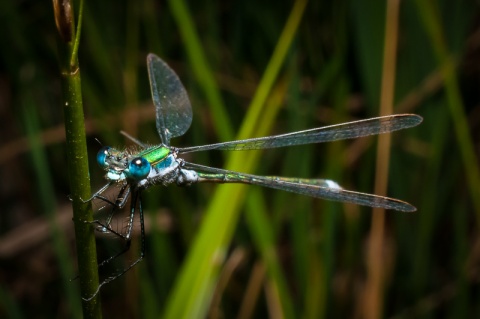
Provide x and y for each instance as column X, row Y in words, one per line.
column 127, row 238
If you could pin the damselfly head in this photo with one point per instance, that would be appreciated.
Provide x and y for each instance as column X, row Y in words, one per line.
column 111, row 159
column 114, row 162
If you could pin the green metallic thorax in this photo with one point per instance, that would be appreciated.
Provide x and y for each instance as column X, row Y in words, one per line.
column 155, row 154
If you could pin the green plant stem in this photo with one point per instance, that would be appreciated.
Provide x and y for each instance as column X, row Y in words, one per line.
column 193, row 290
column 77, row 159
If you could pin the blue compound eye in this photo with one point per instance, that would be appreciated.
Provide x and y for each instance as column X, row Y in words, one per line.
column 102, row 156
column 139, row 168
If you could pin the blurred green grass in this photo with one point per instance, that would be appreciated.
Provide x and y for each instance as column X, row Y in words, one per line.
column 298, row 257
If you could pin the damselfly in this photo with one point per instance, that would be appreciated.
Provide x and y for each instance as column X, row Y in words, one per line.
column 135, row 171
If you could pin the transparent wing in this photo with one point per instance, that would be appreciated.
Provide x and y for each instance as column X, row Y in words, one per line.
column 173, row 109
column 376, row 125
column 318, row 188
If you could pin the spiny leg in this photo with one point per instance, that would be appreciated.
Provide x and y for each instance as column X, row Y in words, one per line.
column 120, row 202
column 98, row 194
column 142, row 235
column 136, row 195
column 128, row 236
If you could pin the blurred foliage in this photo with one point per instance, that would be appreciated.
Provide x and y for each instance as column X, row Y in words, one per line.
column 285, row 254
